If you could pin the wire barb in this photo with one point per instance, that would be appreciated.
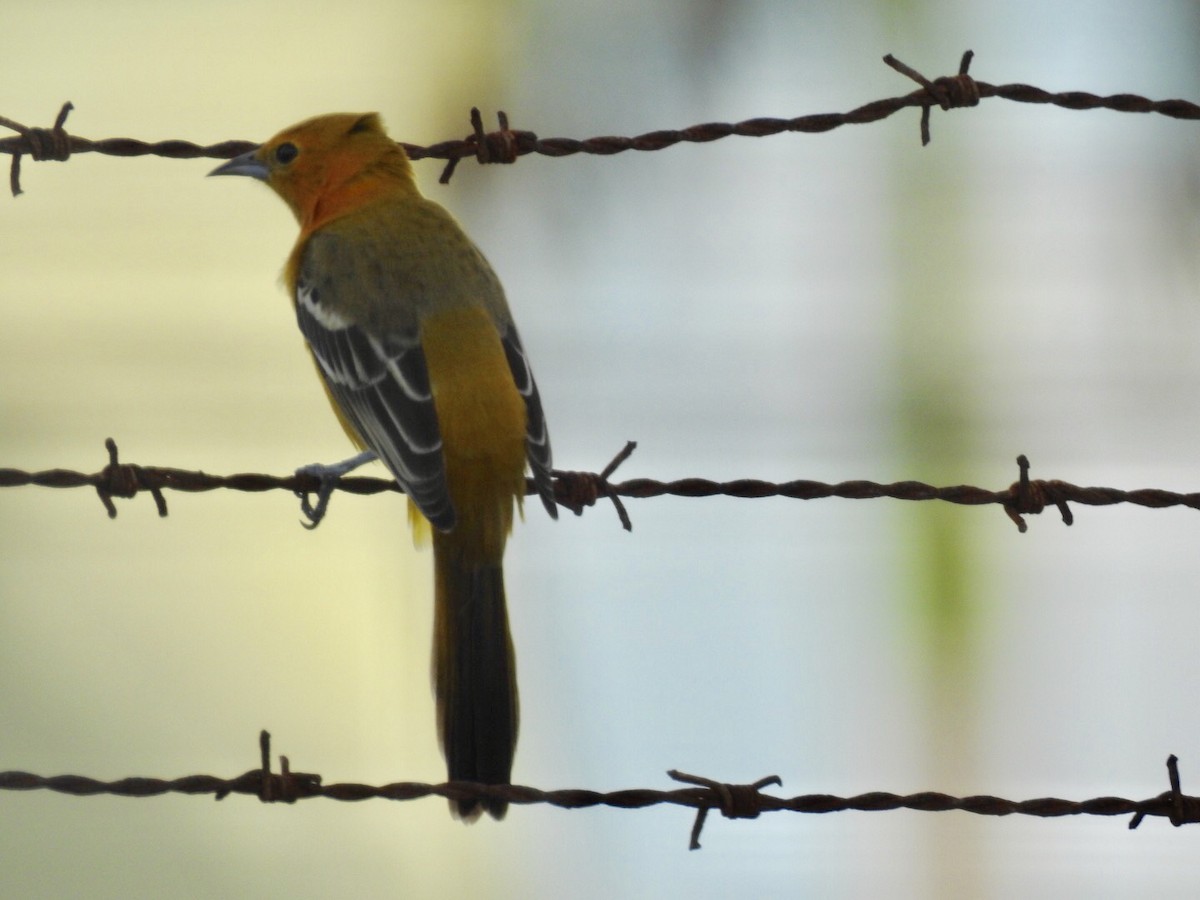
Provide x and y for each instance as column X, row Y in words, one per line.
column 119, row 479
column 1031, row 497
column 736, row 801
column 1179, row 808
column 575, row 490
column 502, row 146
column 40, row 143
column 948, row 92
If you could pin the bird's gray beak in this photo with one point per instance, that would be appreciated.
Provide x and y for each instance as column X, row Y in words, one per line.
column 246, row 164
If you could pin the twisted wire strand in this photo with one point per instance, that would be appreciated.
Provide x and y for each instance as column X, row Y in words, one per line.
column 506, row 145
column 734, row 801
column 579, row 490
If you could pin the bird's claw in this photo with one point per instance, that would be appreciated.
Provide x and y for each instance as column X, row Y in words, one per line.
column 328, row 478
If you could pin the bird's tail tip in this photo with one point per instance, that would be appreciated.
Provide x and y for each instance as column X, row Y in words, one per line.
column 469, row 811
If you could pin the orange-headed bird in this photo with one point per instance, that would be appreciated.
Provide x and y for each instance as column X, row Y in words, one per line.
column 412, row 337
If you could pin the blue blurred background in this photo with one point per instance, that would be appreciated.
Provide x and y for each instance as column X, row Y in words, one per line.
column 836, row 306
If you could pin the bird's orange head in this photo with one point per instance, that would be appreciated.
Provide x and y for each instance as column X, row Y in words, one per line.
column 327, row 165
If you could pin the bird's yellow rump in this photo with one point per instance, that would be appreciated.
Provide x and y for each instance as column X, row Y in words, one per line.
column 413, row 339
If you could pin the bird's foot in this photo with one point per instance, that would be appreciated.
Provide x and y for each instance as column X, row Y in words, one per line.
column 328, row 476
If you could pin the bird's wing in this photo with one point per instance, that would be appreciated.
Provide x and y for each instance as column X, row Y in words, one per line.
column 381, row 385
column 537, row 438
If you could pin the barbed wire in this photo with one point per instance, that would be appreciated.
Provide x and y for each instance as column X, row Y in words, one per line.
column 579, row 490
column 734, row 801
column 506, row 145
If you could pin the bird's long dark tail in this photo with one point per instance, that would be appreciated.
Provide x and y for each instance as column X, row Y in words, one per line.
column 474, row 675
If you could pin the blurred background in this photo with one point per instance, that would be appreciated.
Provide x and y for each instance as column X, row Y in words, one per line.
column 837, row 306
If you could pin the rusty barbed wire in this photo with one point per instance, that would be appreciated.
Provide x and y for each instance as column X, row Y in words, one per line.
column 578, row 490
column 734, row 801
column 506, row 145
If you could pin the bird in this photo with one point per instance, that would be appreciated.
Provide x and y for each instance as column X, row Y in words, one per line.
column 411, row 334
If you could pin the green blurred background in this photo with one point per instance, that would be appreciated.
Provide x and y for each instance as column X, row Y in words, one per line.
column 837, row 306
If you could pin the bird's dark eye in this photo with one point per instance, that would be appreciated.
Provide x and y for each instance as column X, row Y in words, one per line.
column 285, row 153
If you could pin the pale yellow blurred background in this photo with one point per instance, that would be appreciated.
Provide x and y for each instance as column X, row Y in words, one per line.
column 838, row 306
